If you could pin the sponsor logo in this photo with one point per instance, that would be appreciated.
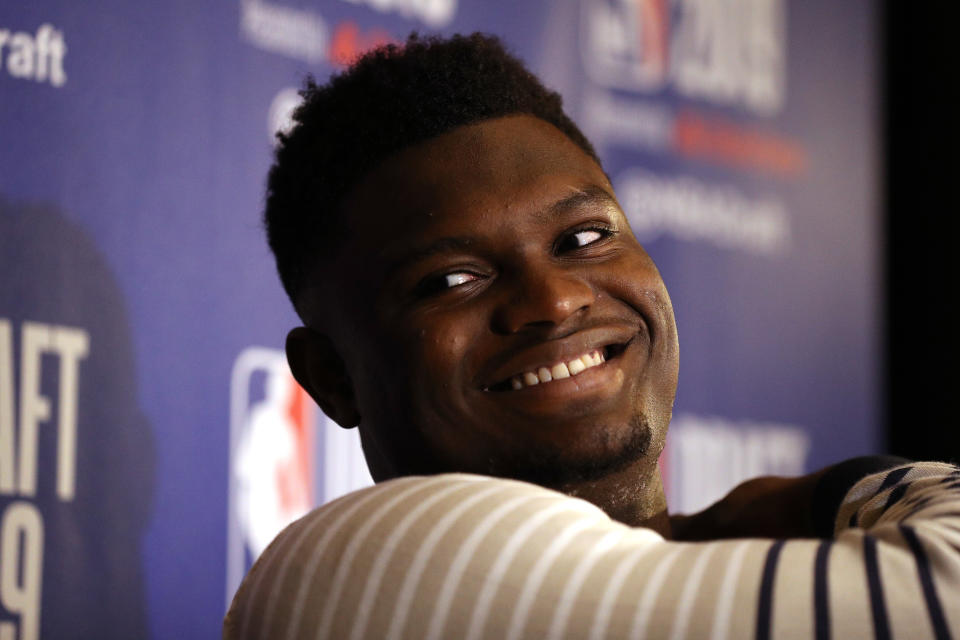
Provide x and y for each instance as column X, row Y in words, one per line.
column 296, row 33
column 723, row 142
column 726, row 53
column 21, row 521
column 694, row 211
column 305, row 35
column 707, row 456
column 435, row 13
column 654, row 126
column 285, row 457
column 37, row 57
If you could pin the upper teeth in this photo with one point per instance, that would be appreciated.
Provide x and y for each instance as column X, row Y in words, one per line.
column 558, row 371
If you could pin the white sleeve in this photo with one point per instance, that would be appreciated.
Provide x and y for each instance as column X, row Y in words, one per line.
column 461, row 556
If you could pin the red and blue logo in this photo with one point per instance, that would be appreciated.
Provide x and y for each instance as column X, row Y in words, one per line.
column 625, row 43
column 286, row 457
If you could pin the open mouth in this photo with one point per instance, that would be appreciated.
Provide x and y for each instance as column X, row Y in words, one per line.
column 560, row 370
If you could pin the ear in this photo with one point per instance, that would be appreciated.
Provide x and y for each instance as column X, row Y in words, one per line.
column 320, row 370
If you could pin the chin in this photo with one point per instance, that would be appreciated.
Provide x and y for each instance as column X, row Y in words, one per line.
column 598, row 455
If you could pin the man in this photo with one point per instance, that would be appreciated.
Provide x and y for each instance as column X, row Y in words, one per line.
column 474, row 301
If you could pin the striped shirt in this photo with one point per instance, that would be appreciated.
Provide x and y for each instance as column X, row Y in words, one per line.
column 463, row 556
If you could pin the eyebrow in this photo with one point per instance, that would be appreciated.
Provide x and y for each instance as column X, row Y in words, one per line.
column 450, row 244
column 580, row 197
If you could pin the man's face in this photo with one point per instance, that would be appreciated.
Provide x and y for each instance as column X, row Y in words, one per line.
column 474, row 265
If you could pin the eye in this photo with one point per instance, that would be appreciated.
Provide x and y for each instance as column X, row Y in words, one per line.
column 582, row 238
column 445, row 281
column 451, row 280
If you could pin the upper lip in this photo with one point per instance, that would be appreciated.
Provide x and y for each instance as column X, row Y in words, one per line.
column 530, row 357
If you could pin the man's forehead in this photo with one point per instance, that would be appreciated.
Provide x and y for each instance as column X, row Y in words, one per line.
column 495, row 163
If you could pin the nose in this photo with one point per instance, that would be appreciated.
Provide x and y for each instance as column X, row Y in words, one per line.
column 542, row 299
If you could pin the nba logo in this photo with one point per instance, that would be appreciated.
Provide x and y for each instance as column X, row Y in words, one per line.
column 286, row 457
column 625, row 43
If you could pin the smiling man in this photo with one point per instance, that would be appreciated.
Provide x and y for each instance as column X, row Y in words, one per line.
column 494, row 313
column 475, row 302
column 507, row 322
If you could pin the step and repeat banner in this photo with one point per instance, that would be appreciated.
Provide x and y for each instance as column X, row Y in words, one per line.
column 152, row 440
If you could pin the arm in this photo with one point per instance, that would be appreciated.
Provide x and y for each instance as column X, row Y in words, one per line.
column 474, row 557
column 781, row 507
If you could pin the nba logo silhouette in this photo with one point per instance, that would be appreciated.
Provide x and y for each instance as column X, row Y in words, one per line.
column 277, row 437
column 625, row 43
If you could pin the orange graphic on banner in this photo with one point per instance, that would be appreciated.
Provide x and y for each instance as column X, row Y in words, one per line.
column 349, row 43
column 727, row 143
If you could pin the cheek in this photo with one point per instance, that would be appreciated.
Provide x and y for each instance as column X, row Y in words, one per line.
column 439, row 388
column 437, row 348
column 635, row 280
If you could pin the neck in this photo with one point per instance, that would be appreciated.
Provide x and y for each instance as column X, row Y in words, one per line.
column 633, row 496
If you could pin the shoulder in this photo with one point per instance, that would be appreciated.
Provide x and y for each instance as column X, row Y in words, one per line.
column 402, row 532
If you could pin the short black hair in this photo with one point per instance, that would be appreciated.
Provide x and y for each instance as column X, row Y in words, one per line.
column 391, row 98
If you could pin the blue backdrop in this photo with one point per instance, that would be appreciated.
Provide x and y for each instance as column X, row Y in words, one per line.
column 140, row 313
